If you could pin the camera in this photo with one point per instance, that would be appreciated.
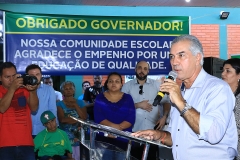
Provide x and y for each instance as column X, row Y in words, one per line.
column 30, row 80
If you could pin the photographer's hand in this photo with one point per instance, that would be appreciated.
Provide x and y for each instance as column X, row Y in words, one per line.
column 16, row 83
column 33, row 98
column 30, row 87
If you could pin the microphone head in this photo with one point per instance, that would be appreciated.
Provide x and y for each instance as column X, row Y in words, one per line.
column 172, row 75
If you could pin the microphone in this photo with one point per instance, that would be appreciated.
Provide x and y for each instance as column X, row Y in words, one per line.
column 172, row 75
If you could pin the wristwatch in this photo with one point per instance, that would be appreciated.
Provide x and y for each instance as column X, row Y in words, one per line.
column 187, row 107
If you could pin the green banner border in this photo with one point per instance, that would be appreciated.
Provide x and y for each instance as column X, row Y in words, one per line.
column 18, row 23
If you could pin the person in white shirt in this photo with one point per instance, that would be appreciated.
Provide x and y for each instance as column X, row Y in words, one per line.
column 202, row 124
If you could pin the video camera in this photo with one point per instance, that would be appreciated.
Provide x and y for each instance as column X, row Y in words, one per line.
column 30, row 80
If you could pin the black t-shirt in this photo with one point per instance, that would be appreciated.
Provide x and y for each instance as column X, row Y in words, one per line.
column 91, row 93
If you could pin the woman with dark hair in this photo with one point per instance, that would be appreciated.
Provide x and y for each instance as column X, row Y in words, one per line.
column 231, row 74
column 71, row 106
column 115, row 109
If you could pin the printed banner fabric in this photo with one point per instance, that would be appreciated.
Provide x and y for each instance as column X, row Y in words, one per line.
column 87, row 45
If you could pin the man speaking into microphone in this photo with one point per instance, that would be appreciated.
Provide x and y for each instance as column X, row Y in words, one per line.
column 202, row 115
column 143, row 91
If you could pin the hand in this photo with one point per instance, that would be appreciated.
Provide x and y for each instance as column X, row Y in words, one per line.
column 145, row 105
column 174, row 91
column 111, row 136
column 16, row 83
column 161, row 123
column 71, row 103
column 30, row 87
column 75, row 139
column 148, row 134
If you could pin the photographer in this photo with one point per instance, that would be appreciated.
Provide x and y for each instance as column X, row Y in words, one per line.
column 91, row 94
column 46, row 96
column 16, row 103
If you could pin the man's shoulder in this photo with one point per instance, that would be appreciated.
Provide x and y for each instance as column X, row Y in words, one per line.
column 45, row 87
column 58, row 93
column 214, row 80
column 133, row 81
column 81, row 97
column 211, row 83
column 42, row 86
column 153, row 81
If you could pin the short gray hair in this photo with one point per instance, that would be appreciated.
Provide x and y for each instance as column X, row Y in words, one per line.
column 65, row 83
column 195, row 44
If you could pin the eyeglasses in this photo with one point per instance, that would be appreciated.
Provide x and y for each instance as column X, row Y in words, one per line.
column 141, row 90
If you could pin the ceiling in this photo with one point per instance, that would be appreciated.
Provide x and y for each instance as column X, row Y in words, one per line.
column 173, row 3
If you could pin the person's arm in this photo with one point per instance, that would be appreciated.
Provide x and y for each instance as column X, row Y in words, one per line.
column 82, row 112
column 163, row 137
column 216, row 109
column 166, row 110
column 130, row 113
column 62, row 118
column 33, row 100
column 145, row 105
column 6, row 99
column 162, row 121
column 192, row 116
column 88, row 104
column 37, row 142
column 69, row 156
column 100, row 114
column 121, row 126
column 52, row 101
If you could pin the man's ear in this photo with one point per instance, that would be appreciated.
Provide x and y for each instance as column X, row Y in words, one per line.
column 198, row 58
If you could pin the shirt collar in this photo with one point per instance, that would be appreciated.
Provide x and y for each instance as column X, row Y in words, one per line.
column 136, row 82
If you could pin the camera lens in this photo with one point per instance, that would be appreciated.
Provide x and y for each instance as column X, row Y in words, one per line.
column 29, row 80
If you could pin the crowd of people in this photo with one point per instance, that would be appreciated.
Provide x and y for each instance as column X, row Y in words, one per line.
column 204, row 110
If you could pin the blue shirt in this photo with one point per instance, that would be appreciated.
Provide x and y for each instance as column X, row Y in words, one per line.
column 47, row 101
column 115, row 112
column 214, row 100
column 71, row 129
column 81, row 97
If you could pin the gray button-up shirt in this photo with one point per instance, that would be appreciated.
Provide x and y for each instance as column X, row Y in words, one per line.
column 144, row 119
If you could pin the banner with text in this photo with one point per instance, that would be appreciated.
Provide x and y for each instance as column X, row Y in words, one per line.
column 235, row 55
column 87, row 45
